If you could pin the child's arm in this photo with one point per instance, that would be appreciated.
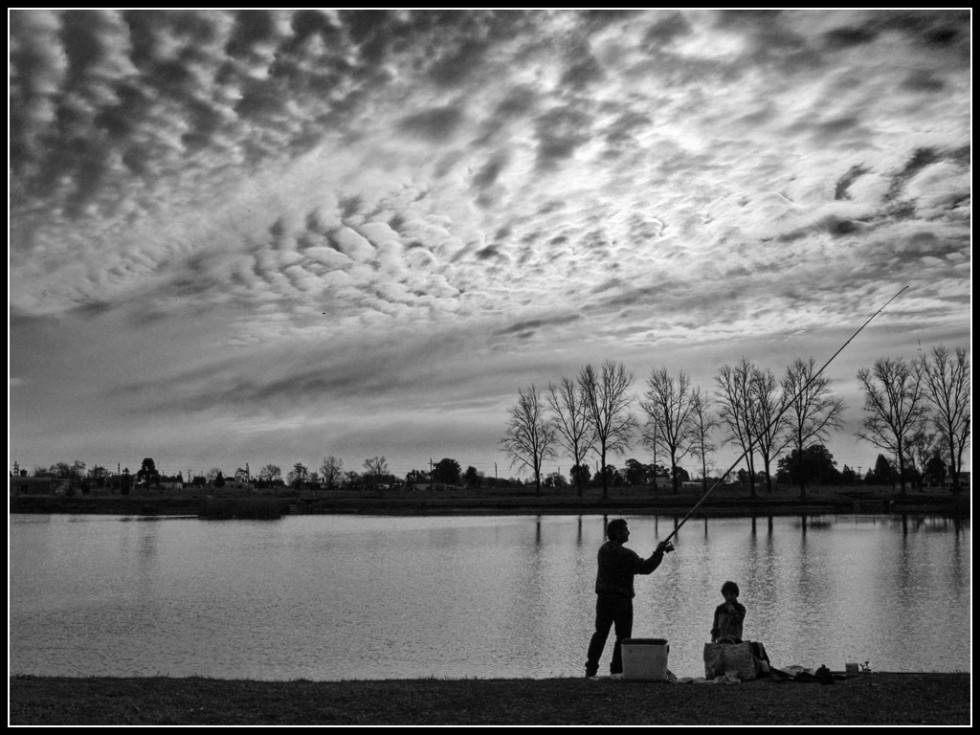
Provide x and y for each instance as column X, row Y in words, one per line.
column 739, row 611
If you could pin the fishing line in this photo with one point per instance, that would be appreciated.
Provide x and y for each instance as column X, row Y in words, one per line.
column 783, row 409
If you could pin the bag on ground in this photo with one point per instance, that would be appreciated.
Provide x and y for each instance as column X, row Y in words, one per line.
column 762, row 665
column 720, row 658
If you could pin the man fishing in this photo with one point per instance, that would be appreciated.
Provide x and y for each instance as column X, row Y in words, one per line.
column 618, row 565
column 614, row 590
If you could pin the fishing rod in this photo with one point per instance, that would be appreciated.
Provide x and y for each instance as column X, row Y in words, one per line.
column 783, row 409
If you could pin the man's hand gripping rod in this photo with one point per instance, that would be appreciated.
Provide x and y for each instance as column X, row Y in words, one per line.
column 785, row 406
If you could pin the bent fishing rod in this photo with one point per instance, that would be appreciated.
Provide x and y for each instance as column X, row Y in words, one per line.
column 779, row 415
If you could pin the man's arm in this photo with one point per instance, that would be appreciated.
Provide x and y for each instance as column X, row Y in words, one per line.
column 648, row 565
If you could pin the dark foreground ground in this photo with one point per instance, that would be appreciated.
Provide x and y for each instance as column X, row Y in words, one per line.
column 866, row 699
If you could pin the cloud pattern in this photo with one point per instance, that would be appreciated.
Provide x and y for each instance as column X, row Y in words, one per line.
column 490, row 178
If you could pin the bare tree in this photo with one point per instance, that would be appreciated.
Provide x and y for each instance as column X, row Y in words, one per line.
column 922, row 446
column 377, row 466
column 770, row 420
column 811, row 411
column 735, row 400
column 298, row 475
column 704, row 422
column 331, row 470
column 948, row 388
column 573, row 429
column 530, row 437
column 607, row 406
column 78, row 471
column 270, row 473
column 894, row 406
column 669, row 417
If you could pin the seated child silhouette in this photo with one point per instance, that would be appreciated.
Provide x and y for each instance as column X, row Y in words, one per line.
column 729, row 616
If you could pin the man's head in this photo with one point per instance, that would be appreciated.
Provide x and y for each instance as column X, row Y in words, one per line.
column 729, row 590
column 617, row 530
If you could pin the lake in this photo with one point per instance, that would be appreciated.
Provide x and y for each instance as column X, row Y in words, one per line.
column 366, row 597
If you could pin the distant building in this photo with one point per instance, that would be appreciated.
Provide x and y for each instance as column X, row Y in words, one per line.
column 964, row 479
column 38, row 486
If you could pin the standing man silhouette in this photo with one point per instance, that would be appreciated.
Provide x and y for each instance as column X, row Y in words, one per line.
column 614, row 593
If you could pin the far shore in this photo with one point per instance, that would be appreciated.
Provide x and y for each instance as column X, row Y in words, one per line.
column 726, row 501
column 920, row 699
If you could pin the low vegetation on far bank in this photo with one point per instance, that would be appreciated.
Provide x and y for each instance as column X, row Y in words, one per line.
column 733, row 500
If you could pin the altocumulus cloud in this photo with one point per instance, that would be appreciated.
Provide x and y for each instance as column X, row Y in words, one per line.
column 494, row 180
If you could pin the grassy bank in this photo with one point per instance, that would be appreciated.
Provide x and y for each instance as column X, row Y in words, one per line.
column 461, row 501
column 867, row 699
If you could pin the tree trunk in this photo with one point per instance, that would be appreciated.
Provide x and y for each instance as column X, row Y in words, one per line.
column 605, row 475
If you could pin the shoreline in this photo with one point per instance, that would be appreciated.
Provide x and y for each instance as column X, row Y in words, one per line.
column 461, row 503
column 865, row 699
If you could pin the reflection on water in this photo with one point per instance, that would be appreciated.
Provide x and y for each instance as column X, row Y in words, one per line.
column 344, row 597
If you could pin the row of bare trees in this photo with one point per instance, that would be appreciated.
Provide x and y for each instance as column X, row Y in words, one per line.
column 905, row 399
column 762, row 415
column 331, row 472
column 591, row 414
column 766, row 416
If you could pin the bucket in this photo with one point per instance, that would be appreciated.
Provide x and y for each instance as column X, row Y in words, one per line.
column 645, row 659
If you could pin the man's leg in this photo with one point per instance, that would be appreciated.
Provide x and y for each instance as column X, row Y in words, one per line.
column 623, row 621
column 604, row 617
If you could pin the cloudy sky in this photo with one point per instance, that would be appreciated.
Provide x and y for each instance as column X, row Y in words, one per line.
column 268, row 237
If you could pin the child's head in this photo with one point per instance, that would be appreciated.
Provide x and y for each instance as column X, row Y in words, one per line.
column 729, row 589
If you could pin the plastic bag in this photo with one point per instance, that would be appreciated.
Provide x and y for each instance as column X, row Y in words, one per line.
column 762, row 665
column 720, row 658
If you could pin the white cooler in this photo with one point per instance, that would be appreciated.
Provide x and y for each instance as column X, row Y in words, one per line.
column 645, row 659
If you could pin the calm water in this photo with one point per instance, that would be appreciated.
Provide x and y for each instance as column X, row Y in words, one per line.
column 344, row 597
